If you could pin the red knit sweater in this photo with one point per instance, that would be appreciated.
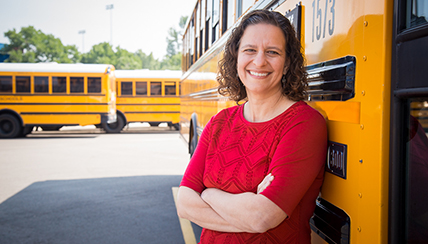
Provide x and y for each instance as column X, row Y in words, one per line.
column 234, row 155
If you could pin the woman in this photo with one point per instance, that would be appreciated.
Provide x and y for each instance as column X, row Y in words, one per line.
column 258, row 167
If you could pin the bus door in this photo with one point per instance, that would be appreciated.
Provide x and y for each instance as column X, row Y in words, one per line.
column 408, row 198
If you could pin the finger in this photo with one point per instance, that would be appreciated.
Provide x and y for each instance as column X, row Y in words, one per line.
column 265, row 183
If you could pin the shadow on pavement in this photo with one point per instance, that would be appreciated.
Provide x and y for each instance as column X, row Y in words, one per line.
column 136, row 209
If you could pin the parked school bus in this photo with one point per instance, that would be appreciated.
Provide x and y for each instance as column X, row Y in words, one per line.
column 52, row 95
column 366, row 65
column 151, row 96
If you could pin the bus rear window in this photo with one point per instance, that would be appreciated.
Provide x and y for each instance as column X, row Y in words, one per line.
column 126, row 88
column 23, row 84
column 41, row 84
column 141, row 88
column 94, row 84
column 6, row 84
column 76, row 84
column 170, row 89
column 155, row 88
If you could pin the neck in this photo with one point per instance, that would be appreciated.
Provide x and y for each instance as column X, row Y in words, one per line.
column 259, row 109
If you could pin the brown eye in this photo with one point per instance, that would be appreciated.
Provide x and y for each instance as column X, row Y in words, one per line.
column 249, row 50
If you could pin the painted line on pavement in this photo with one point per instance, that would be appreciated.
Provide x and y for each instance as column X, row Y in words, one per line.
column 186, row 226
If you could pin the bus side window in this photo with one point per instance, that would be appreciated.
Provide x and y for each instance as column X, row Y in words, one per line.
column 141, row 88
column 94, row 84
column 170, row 89
column 155, row 88
column 76, row 84
column 417, row 13
column 417, row 172
column 126, row 87
column 59, row 84
column 41, row 84
column 23, row 84
column 6, row 84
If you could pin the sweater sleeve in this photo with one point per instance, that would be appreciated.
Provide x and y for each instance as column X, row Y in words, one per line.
column 193, row 176
column 298, row 159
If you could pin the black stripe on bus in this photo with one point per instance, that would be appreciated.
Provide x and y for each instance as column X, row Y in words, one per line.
column 64, row 113
column 54, row 104
column 154, row 112
column 53, row 94
column 146, row 96
column 147, row 104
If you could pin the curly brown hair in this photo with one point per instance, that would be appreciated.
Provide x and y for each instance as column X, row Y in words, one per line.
column 230, row 84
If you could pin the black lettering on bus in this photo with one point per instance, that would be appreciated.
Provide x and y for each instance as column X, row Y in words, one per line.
column 319, row 24
column 331, row 21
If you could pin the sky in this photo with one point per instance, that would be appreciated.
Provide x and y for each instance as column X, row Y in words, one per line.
column 136, row 24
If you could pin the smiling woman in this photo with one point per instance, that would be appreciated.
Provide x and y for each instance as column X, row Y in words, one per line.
column 366, row 73
column 261, row 60
column 271, row 48
column 258, row 167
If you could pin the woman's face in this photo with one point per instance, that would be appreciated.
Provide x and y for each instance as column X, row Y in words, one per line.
column 261, row 59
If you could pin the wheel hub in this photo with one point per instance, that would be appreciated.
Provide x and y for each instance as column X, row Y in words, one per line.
column 6, row 126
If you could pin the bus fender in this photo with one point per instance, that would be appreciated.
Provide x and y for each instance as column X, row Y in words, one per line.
column 11, row 124
column 120, row 113
column 14, row 113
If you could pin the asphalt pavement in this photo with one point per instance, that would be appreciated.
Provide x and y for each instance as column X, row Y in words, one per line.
column 77, row 186
column 136, row 209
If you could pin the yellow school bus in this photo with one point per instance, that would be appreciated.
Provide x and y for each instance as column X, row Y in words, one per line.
column 151, row 96
column 366, row 64
column 52, row 95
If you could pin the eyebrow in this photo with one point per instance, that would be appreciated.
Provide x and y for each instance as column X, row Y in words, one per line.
column 254, row 46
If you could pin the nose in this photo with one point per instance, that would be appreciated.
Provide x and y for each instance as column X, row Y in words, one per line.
column 260, row 59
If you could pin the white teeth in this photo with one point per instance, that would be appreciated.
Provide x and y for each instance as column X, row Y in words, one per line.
column 258, row 74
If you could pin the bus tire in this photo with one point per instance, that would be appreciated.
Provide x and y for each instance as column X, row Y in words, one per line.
column 193, row 140
column 115, row 127
column 9, row 126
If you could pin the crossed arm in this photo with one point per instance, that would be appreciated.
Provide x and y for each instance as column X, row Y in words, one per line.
column 217, row 210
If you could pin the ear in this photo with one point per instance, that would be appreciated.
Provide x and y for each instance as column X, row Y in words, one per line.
column 286, row 66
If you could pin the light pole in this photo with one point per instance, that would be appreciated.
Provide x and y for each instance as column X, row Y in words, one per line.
column 110, row 7
column 83, row 39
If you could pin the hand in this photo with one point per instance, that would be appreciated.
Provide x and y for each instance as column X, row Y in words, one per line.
column 265, row 183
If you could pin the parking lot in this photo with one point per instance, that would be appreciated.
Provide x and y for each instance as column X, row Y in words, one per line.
column 80, row 185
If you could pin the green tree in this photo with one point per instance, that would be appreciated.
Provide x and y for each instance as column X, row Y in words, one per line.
column 175, row 37
column 172, row 62
column 30, row 46
column 101, row 53
column 127, row 60
column 171, row 48
column 148, row 61
column 172, row 59
column 73, row 53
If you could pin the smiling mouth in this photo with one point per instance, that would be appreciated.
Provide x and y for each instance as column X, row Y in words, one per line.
column 258, row 74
